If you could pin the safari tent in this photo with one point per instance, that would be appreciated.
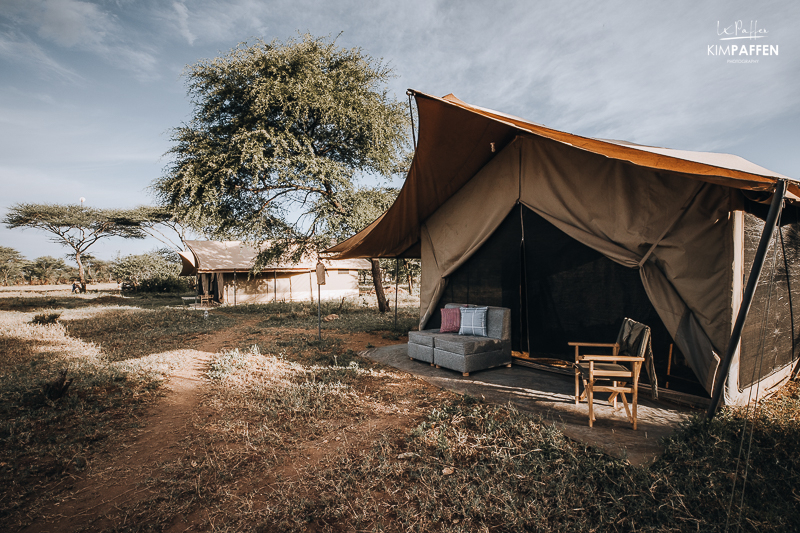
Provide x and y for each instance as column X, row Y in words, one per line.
column 223, row 272
column 573, row 234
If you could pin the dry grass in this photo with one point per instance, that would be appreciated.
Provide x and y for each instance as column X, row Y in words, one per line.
column 117, row 360
column 297, row 434
column 42, row 440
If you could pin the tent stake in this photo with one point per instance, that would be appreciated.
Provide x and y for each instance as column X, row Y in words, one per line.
column 747, row 298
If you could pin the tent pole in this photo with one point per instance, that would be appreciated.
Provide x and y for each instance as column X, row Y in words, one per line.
column 524, row 281
column 234, row 288
column 409, row 92
column 747, row 298
column 396, row 285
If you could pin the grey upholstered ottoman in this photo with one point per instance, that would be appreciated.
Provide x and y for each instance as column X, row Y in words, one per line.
column 420, row 345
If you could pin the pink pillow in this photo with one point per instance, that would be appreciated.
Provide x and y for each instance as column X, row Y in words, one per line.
column 451, row 320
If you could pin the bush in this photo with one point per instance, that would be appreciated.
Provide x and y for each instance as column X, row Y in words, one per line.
column 156, row 271
column 46, row 318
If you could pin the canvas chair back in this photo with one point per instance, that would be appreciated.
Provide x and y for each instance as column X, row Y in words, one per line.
column 634, row 341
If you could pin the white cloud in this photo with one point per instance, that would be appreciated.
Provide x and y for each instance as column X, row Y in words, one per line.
column 182, row 21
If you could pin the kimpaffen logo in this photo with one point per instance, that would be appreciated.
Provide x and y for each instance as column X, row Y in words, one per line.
column 738, row 51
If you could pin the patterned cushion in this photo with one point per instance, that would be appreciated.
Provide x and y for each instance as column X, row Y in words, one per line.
column 473, row 321
column 451, row 320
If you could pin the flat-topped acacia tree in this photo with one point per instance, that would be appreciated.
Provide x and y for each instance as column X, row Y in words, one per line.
column 77, row 227
column 279, row 129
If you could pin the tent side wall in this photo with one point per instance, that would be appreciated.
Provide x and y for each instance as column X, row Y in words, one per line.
column 765, row 360
column 283, row 286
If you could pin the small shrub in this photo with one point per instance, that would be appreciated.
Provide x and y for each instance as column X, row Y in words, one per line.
column 43, row 319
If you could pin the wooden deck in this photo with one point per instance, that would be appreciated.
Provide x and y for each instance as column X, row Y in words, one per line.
column 551, row 396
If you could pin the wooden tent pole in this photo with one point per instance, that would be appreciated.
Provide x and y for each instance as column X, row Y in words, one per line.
column 747, row 298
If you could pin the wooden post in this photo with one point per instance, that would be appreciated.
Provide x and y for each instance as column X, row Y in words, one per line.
column 320, row 282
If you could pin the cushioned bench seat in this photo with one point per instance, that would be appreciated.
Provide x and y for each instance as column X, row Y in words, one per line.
column 465, row 353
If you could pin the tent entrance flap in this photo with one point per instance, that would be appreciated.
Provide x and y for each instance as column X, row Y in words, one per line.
column 559, row 291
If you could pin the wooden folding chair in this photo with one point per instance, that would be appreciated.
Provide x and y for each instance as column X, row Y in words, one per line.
column 605, row 373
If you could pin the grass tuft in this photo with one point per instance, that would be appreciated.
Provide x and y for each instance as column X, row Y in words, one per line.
column 43, row 319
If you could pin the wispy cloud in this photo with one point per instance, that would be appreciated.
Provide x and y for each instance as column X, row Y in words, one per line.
column 85, row 26
column 181, row 13
column 19, row 49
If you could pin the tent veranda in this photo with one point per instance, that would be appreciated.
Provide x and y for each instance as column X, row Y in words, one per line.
column 556, row 226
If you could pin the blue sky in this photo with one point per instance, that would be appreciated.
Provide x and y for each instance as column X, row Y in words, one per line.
column 89, row 90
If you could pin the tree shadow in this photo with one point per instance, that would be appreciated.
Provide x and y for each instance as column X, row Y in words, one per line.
column 26, row 304
column 129, row 333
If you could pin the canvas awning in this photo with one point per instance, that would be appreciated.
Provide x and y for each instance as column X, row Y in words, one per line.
column 457, row 139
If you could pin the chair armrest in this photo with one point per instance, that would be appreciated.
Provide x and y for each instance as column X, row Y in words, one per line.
column 595, row 344
column 610, row 358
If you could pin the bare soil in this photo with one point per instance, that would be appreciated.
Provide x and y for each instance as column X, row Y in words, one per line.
column 104, row 495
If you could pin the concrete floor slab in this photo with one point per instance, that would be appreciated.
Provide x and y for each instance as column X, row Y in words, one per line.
column 551, row 396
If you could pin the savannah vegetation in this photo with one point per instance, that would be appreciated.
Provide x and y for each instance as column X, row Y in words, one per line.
column 297, row 434
column 280, row 143
column 78, row 228
column 155, row 271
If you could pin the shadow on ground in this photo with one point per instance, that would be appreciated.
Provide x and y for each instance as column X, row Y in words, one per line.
column 551, row 397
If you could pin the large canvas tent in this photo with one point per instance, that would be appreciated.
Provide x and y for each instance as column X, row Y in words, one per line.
column 573, row 234
column 223, row 269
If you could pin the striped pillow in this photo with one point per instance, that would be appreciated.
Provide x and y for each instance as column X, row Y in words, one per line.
column 451, row 320
column 473, row 321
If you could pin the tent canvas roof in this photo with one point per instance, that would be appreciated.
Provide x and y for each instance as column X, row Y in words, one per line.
column 457, row 139
column 230, row 256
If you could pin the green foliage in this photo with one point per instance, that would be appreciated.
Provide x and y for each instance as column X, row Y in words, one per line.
column 281, row 128
column 11, row 262
column 358, row 208
column 47, row 270
column 156, row 271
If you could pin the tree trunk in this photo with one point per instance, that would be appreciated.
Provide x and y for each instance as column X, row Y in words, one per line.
column 408, row 275
column 80, row 271
column 377, row 280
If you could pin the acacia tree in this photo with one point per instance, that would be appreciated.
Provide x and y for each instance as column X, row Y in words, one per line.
column 279, row 129
column 11, row 262
column 75, row 226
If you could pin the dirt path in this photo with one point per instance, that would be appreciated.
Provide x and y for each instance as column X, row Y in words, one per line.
column 96, row 498
column 116, row 488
